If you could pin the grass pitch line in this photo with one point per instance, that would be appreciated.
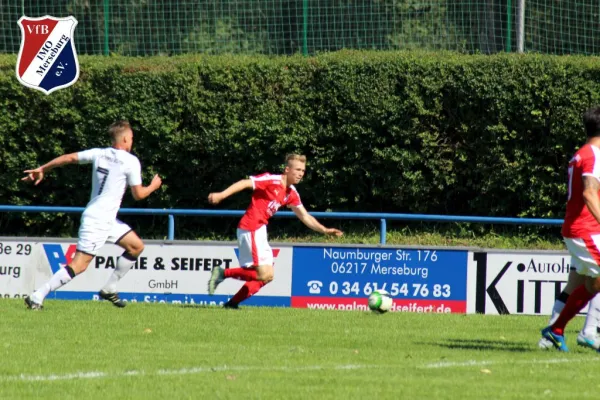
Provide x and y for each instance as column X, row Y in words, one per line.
column 198, row 370
column 484, row 363
column 181, row 371
column 52, row 377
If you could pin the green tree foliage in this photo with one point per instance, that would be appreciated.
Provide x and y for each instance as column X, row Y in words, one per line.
column 391, row 132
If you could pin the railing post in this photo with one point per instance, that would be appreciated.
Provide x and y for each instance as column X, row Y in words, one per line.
column 382, row 231
column 171, row 234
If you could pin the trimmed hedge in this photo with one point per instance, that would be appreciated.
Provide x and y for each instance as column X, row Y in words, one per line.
column 383, row 131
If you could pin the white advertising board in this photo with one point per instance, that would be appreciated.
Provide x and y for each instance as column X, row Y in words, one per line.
column 516, row 282
column 165, row 272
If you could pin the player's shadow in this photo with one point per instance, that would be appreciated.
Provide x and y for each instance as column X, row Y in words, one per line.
column 486, row 345
column 209, row 307
column 198, row 306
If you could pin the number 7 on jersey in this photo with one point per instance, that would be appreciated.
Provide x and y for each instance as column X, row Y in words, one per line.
column 102, row 171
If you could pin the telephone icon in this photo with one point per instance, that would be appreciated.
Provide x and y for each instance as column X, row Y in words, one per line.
column 314, row 287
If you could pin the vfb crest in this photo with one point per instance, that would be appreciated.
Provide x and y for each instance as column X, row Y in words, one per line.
column 47, row 58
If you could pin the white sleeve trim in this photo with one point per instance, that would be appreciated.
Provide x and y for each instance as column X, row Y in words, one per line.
column 592, row 175
column 267, row 177
column 596, row 169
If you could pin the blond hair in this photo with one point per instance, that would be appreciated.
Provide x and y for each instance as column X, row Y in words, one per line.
column 117, row 128
column 295, row 157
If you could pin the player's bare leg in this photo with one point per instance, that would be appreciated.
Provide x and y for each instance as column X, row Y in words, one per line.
column 577, row 301
column 63, row 276
column 218, row 275
column 133, row 246
column 264, row 275
column 255, row 277
column 573, row 282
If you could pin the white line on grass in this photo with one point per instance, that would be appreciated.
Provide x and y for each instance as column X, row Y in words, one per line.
column 182, row 371
column 52, row 377
column 198, row 370
column 483, row 363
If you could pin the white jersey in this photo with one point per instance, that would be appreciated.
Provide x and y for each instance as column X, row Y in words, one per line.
column 112, row 171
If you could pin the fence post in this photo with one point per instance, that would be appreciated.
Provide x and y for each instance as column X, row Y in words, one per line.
column 508, row 26
column 171, row 233
column 305, row 27
column 520, row 28
column 106, row 16
column 382, row 231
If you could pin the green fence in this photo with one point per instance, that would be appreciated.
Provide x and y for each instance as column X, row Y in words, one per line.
column 150, row 27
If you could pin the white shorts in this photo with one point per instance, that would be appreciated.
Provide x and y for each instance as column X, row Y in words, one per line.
column 254, row 247
column 92, row 235
column 585, row 254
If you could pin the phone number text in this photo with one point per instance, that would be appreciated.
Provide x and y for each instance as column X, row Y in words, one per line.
column 394, row 289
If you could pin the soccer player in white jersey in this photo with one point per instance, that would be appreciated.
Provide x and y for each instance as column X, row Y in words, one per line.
column 256, row 257
column 113, row 169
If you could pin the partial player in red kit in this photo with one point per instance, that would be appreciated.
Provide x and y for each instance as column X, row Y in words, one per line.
column 256, row 257
column 581, row 230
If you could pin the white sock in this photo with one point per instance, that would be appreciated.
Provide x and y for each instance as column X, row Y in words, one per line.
column 123, row 267
column 60, row 278
column 592, row 318
column 558, row 307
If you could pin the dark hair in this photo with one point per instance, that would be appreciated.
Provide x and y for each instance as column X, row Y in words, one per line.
column 117, row 128
column 591, row 121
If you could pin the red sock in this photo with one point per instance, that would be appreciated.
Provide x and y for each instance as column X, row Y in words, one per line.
column 577, row 300
column 243, row 274
column 247, row 291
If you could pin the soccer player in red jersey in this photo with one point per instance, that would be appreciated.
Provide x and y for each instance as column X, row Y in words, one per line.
column 588, row 336
column 256, row 257
column 581, row 228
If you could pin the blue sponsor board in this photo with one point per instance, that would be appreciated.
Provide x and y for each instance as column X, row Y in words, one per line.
column 346, row 272
column 184, row 299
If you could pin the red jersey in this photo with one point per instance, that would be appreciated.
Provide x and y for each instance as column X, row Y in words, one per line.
column 579, row 221
column 269, row 194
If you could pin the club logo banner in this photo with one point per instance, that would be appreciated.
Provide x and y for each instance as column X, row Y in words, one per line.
column 47, row 58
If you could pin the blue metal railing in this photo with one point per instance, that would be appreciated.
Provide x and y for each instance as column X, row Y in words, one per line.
column 382, row 217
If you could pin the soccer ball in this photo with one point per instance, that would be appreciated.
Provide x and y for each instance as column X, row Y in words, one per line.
column 545, row 344
column 380, row 301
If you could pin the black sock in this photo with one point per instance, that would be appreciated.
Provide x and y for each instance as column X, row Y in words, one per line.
column 128, row 256
column 563, row 297
column 70, row 271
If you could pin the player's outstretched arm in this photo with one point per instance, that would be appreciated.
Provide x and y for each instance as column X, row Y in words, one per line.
column 591, row 185
column 216, row 198
column 313, row 224
column 140, row 192
column 36, row 175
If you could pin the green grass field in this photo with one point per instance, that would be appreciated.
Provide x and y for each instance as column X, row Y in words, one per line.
column 455, row 234
column 82, row 350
